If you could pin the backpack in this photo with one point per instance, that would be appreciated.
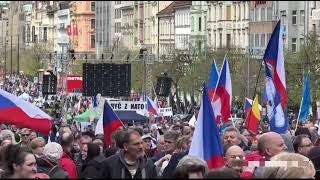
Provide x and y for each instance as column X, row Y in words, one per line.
column 57, row 172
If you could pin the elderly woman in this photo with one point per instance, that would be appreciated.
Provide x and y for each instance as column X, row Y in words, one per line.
column 37, row 146
column 48, row 163
column 7, row 135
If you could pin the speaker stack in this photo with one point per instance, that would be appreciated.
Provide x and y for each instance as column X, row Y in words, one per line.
column 163, row 86
column 112, row 80
column 49, row 84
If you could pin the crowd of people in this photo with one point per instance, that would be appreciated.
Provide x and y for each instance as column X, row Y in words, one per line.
column 151, row 150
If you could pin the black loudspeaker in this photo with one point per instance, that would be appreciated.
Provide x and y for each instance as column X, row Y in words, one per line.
column 49, row 84
column 163, row 86
column 113, row 80
column 87, row 79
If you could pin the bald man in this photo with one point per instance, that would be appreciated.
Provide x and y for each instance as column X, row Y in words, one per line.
column 234, row 158
column 271, row 144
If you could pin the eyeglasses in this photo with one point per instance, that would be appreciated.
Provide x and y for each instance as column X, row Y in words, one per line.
column 308, row 145
column 24, row 134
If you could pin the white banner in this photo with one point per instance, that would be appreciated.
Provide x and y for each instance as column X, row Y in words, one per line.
column 138, row 106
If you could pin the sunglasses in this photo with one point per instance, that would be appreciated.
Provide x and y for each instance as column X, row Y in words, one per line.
column 24, row 134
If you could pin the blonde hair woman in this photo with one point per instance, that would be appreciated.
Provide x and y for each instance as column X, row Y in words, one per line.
column 7, row 135
column 289, row 165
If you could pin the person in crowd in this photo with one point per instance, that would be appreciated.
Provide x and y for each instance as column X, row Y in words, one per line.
column 288, row 141
column 25, row 137
column 7, row 135
column 247, row 137
column 66, row 161
column 100, row 143
column 131, row 161
column 85, row 138
column 191, row 167
column 187, row 131
column 305, row 170
column 48, row 162
column 302, row 144
column 33, row 135
column 160, row 145
column 223, row 173
column 170, row 139
column 19, row 162
column 92, row 167
column 37, row 146
column 314, row 156
column 231, row 135
column 183, row 146
column 148, row 145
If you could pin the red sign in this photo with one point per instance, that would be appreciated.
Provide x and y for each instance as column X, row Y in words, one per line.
column 73, row 83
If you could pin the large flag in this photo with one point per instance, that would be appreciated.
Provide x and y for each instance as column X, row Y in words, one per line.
column 152, row 107
column 253, row 118
column 274, row 57
column 305, row 101
column 221, row 102
column 206, row 142
column 213, row 79
column 278, row 122
column 248, row 105
column 111, row 123
column 21, row 113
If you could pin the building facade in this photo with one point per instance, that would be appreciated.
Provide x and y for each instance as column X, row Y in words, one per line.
column 228, row 24
column 166, row 43
column 127, row 25
column 104, row 30
column 198, row 14
column 182, row 24
column 62, row 22
column 293, row 19
column 82, row 36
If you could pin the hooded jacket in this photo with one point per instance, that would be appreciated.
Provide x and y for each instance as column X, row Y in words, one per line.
column 115, row 167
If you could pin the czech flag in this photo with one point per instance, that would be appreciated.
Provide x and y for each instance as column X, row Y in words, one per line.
column 253, row 118
column 213, row 79
column 152, row 107
column 274, row 57
column 206, row 142
column 111, row 123
column 221, row 102
column 21, row 113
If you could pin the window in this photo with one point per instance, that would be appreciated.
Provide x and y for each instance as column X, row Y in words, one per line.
column 228, row 12
column 301, row 42
column 117, row 2
column 45, row 34
column 93, row 23
column 269, row 13
column 251, row 15
column 256, row 40
column 263, row 14
column 220, row 12
column 93, row 41
column 192, row 23
column 33, row 34
column 294, row 17
column 263, row 40
column 283, row 17
column 93, row 6
column 28, row 34
column 294, row 44
column 200, row 24
column 228, row 40
column 220, row 40
column 256, row 14
column 302, row 17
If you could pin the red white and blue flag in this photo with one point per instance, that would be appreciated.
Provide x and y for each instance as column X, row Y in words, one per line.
column 152, row 106
column 213, row 79
column 278, row 122
column 111, row 123
column 21, row 113
column 206, row 142
column 221, row 102
column 274, row 58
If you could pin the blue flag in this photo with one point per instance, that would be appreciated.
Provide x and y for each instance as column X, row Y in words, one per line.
column 213, row 79
column 305, row 101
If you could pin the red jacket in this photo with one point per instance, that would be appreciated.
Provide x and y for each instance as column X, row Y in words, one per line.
column 68, row 165
column 252, row 156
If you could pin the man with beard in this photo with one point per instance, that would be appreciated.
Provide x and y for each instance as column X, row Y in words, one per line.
column 131, row 161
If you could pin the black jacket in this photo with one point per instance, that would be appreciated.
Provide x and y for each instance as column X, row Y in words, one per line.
column 175, row 158
column 51, row 168
column 115, row 167
column 93, row 168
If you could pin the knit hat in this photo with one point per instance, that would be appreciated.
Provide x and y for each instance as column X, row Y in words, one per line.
column 53, row 150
